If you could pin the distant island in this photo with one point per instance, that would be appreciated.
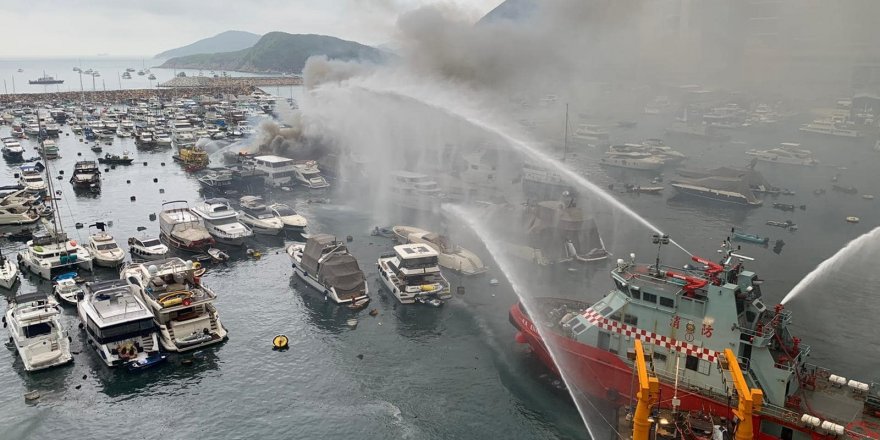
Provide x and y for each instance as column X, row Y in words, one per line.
column 511, row 10
column 278, row 52
column 222, row 42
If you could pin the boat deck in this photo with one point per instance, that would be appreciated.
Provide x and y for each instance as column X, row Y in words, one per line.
column 842, row 405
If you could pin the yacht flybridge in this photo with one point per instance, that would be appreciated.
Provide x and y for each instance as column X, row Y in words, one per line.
column 117, row 323
column 34, row 327
column 181, row 304
column 412, row 275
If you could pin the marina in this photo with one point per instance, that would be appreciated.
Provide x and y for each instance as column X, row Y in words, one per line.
column 406, row 242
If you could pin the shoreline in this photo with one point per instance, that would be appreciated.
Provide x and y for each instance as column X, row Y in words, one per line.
column 127, row 94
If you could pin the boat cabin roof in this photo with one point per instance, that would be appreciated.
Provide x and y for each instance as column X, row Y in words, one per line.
column 414, row 250
column 31, row 297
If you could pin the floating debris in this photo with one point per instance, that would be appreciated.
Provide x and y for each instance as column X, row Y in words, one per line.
column 853, row 219
column 31, row 396
column 493, row 282
column 868, row 196
column 374, row 312
column 352, row 322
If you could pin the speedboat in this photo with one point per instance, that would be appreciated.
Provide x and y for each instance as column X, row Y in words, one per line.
column 50, row 254
column 181, row 228
column 66, row 288
column 292, row 221
column 261, row 219
column 147, row 248
column 105, row 252
column 115, row 159
column 18, row 215
column 8, row 273
column 117, row 322
column 181, row 305
column 221, row 221
column 751, row 238
column 412, row 274
column 34, row 327
column 451, row 256
column 325, row 264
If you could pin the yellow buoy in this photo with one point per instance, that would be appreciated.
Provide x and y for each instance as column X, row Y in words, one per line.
column 280, row 342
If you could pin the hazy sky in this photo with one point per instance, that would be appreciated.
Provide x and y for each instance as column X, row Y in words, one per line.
column 147, row 27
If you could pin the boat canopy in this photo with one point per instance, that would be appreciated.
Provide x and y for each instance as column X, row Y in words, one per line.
column 343, row 273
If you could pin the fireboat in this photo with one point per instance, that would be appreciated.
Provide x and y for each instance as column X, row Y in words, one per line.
column 686, row 319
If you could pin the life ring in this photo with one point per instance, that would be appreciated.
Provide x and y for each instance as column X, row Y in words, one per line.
column 187, row 301
column 73, row 242
column 280, row 342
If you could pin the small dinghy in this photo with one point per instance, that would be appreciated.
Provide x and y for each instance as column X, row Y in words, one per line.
column 750, row 238
column 148, row 362
column 217, row 255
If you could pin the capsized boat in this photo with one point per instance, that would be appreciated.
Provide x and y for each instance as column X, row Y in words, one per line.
column 451, row 256
column 687, row 318
column 182, row 306
column 412, row 274
column 117, row 322
column 35, row 329
column 326, row 265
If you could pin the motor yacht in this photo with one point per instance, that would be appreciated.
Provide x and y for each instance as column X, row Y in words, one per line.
column 412, row 274
column 415, row 191
column 308, row 175
column 787, row 153
column 830, row 128
column 51, row 254
column 162, row 139
column 12, row 149
column 66, row 288
column 31, row 178
column 182, row 229
column 48, row 149
column 450, row 256
column 292, row 221
column 255, row 214
column 280, row 171
column 105, row 252
column 217, row 181
column 8, row 273
column 325, row 264
column 86, row 175
column 221, row 221
column 35, row 330
column 118, row 324
column 18, row 215
column 182, row 306
column 633, row 161
column 147, row 248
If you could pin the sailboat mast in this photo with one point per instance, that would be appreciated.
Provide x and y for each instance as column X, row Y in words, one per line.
column 565, row 139
column 55, row 223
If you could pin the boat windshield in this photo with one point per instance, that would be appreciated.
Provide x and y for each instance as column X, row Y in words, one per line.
column 33, row 179
column 107, row 246
column 151, row 242
column 34, row 330
column 284, row 210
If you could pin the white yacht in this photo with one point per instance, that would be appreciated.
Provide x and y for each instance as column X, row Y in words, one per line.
column 255, row 214
column 592, row 134
column 34, row 327
column 412, row 274
column 415, row 191
column 12, row 149
column 105, row 252
column 162, row 139
column 292, row 221
column 18, row 215
column 118, row 324
column 182, row 229
column 31, row 179
column 67, row 290
column 325, row 264
column 308, row 175
column 48, row 149
column 221, row 221
column 48, row 255
column 633, row 161
column 181, row 304
column 280, row 171
column 786, row 153
column 452, row 257
column 8, row 272
column 831, row 128
column 147, row 248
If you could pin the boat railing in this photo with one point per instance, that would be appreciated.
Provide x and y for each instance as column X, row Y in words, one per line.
column 759, row 339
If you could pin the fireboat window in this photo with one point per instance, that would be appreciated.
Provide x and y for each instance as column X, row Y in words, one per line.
column 649, row 297
column 667, row 302
column 635, row 293
column 692, row 363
